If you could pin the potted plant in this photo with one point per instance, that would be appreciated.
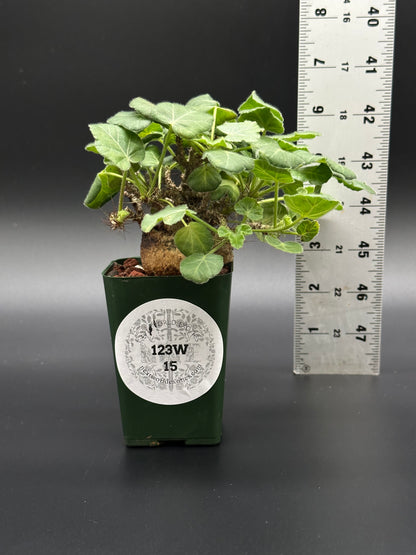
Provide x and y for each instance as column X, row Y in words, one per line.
column 198, row 179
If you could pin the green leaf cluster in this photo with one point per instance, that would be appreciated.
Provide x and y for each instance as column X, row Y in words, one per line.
column 216, row 174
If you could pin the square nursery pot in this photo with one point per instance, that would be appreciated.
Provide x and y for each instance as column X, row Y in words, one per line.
column 169, row 338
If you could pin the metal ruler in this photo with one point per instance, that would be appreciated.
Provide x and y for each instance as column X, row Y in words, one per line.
column 344, row 92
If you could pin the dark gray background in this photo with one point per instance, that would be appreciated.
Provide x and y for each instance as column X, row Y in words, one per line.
column 308, row 465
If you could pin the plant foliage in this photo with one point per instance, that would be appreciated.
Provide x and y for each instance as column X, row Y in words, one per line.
column 216, row 174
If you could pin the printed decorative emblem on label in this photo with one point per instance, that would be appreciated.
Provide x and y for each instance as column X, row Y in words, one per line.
column 169, row 351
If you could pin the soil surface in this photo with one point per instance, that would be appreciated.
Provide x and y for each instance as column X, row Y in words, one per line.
column 131, row 268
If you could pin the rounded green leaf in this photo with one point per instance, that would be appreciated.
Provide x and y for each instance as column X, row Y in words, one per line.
column 267, row 172
column 226, row 187
column 254, row 101
column 200, row 268
column 307, row 230
column 356, row 185
column 104, row 188
column 151, row 156
column 152, row 132
column 267, row 116
column 286, row 246
column 236, row 236
column 194, row 238
column 341, row 171
column 296, row 135
column 143, row 107
column 270, row 150
column 122, row 147
column 129, row 120
column 187, row 122
column 169, row 215
column 223, row 114
column 248, row 207
column 219, row 142
column 316, row 174
column 310, row 205
column 204, row 178
column 228, row 161
column 287, row 145
column 238, row 132
column 203, row 102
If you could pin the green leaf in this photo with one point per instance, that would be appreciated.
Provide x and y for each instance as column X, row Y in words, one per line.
column 151, row 157
column 152, row 131
column 223, row 115
column 340, row 171
column 266, row 172
column 287, row 145
column 308, row 229
column 267, row 116
column 310, row 205
column 185, row 121
column 123, row 148
column 129, row 120
column 170, row 215
column 286, row 246
column 219, row 142
column 356, row 185
column 226, row 187
column 90, row 147
column 238, row 132
column 235, row 236
column 204, row 178
column 268, row 149
column 254, row 101
column 143, row 107
column 104, row 188
column 300, row 135
column 194, row 238
column 200, row 268
column 268, row 213
column 203, row 101
column 347, row 177
column 228, row 161
column 249, row 208
column 316, row 174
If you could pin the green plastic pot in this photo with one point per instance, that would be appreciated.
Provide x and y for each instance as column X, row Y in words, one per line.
column 169, row 339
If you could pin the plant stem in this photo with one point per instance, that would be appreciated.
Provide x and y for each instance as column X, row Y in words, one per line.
column 140, row 184
column 276, row 203
column 271, row 199
column 218, row 246
column 197, row 146
column 199, row 220
column 279, row 228
column 214, row 123
column 266, row 191
column 122, row 189
column 162, row 156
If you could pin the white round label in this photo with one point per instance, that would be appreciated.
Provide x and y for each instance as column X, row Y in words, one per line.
column 169, row 351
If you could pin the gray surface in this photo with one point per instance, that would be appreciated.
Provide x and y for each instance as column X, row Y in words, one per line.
column 308, row 465
column 320, row 465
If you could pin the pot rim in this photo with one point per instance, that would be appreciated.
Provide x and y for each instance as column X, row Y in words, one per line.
column 104, row 273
